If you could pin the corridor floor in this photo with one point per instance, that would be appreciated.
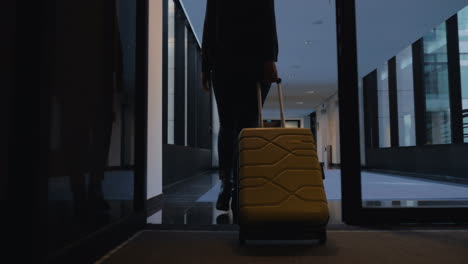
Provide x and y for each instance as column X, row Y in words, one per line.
column 364, row 247
column 193, row 202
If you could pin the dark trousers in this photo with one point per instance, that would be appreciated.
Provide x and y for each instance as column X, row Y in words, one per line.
column 235, row 91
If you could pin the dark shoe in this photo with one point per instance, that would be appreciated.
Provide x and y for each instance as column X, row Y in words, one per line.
column 222, row 219
column 224, row 196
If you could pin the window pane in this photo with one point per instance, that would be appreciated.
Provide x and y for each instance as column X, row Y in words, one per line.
column 405, row 88
column 463, row 35
column 436, row 83
column 415, row 173
column 384, row 109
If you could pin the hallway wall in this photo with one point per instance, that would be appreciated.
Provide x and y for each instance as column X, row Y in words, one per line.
column 328, row 133
column 155, row 95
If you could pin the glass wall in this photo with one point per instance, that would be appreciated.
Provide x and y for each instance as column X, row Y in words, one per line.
column 405, row 92
column 463, row 36
column 436, row 84
column 187, row 121
column 383, row 106
column 92, row 119
column 426, row 168
column 188, row 106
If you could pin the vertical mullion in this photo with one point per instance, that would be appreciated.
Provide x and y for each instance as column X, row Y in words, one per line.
column 165, row 78
column 455, row 93
column 367, row 86
column 374, row 104
column 393, row 102
column 348, row 93
column 186, row 88
column 192, row 92
column 419, row 94
column 371, row 116
column 179, row 80
column 196, row 84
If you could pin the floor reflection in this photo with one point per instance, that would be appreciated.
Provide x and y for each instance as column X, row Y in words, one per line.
column 194, row 203
column 70, row 220
column 182, row 204
column 205, row 213
column 415, row 203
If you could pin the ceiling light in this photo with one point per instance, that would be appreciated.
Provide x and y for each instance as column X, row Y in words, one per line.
column 310, row 92
column 318, row 22
column 308, row 42
column 299, row 103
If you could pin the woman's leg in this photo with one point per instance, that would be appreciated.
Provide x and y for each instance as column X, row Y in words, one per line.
column 226, row 137
column 236, row 97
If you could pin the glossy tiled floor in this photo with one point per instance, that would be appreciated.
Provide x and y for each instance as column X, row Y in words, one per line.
column 193, row 202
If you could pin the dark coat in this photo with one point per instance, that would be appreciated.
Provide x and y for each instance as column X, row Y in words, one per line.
column 242, row 32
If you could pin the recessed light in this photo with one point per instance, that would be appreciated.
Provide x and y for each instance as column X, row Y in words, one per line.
column 299, row 103
column 310, row 92
column 318, row 22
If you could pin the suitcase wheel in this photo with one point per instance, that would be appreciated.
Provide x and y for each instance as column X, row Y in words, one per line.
column 323, row 237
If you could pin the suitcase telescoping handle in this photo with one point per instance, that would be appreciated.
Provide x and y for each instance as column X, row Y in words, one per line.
column 260, row 104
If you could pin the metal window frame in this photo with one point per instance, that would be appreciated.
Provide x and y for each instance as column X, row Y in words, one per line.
column 371, row 122
column 455, row 85
column 179, row 78
column 419, row 94
column 393, row 103
column 352, row 209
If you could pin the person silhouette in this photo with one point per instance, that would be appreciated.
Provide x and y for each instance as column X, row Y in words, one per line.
column 239, row 50
column 87, row 92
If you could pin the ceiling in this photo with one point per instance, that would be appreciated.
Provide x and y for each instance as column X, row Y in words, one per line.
column 307, row 39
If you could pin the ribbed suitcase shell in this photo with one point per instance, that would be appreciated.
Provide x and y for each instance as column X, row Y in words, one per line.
column 280, row 178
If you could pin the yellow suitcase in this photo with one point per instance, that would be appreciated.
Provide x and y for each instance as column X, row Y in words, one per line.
column 281, row 193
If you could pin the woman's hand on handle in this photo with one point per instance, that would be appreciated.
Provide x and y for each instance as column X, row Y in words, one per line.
column 270, row 73
column 206, row 82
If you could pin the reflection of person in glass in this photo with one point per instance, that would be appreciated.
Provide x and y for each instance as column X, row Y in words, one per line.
column 240, row 48
column 87, row 98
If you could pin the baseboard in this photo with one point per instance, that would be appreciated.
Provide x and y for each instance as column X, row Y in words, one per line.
column 120, row 168
column 420, row 176
column 333, row 166
column 226, row 227
column 168, row 186
column 96, row 245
